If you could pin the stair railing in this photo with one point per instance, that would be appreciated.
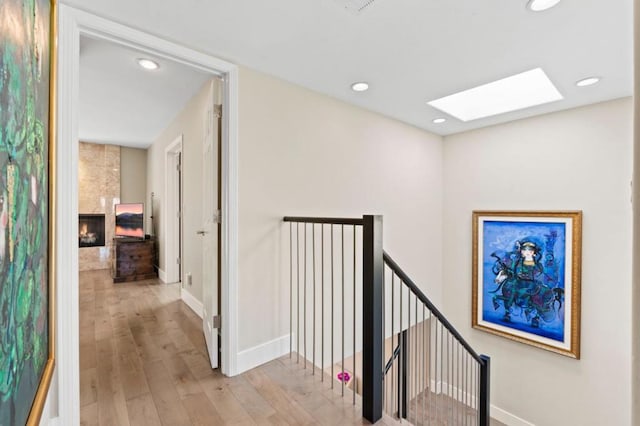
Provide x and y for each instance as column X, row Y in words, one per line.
column 415, row 365
column 434, row 375
column 325, row 298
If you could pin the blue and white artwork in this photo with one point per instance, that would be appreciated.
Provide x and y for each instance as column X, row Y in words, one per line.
column 523, row 276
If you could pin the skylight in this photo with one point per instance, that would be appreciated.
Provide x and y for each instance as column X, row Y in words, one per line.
column 513, row 93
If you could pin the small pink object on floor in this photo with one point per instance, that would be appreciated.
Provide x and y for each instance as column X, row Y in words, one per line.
column 344, row 376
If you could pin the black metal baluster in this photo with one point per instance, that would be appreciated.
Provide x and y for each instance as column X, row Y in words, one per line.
column 298, row 292
column 342, row 304
column 393, row 340
column 290, row 289
column 322, row 302
column 304, row 306
column 332, row 312
column 355, row 381
column 313, row 333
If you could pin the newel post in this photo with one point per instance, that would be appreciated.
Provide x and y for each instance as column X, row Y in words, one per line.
column 372, row 319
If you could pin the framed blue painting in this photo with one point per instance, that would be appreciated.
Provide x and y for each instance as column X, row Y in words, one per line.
column 526, row 277
column 27, row 167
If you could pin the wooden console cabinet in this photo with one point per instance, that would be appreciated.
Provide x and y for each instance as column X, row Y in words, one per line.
column 133, row 260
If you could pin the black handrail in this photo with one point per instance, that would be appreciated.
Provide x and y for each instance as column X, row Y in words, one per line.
column 395, row 354
column 329, row 220
column 420, row 295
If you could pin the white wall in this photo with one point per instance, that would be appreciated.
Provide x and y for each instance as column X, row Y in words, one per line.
column 305, row 154
column 189, row 123
column 133, row 176
column 579, row 159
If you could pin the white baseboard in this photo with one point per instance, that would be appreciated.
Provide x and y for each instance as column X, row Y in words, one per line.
column 192, row 302
column 258, row 355
column 508, row 418
column 496, row 412
column 453, row 392
column 162, row 275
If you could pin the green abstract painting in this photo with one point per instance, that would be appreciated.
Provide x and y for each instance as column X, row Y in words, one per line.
column 25, row 33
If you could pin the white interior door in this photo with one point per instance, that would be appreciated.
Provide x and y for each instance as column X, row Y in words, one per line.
column 209, row 230
column 173, row 212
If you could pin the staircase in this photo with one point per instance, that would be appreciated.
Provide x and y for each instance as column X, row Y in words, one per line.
column 349, row 300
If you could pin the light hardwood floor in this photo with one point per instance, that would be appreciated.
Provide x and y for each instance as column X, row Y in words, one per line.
column 143, row 362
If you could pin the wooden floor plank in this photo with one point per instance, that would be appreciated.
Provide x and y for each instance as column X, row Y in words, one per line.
column 165, row 396
column 228, row 407
column 201, row 411
column 111, row 403
column 198, row 364
column 142, row 411
column 87, row 354
column 279, row 398
column 89, row 386
column 89, row 415
column 185, row 383
column 133, row 379
column 255, row 404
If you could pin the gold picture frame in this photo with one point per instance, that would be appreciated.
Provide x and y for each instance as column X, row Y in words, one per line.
column 527, row 276
column 28, row 34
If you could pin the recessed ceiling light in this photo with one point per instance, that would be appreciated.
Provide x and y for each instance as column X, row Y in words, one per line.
column 148, row 64
column 589, row 81
column 360, row 86
column 540, row 5
column 439, row 120
column 519, row 91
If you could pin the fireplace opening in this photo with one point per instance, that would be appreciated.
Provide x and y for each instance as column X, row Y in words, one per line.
column 91, row 230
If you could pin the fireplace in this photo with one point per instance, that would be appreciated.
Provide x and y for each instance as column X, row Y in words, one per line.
column 91, row 230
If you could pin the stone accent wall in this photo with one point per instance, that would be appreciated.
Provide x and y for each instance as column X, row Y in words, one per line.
column 99, row 191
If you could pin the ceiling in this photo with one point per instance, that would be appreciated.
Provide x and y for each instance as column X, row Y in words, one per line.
column 410, row 51
column 123, row 104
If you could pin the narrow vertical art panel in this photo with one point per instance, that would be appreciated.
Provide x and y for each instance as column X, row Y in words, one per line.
column 26, row 284
column 526, row 277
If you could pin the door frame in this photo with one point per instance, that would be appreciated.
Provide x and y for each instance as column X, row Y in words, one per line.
column 71, row 24
column 172, row 225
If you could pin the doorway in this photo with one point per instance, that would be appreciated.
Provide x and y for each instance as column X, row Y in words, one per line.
column 72, row 24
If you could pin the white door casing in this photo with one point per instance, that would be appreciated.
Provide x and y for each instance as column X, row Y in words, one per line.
column 72, row 23
column 209, row 231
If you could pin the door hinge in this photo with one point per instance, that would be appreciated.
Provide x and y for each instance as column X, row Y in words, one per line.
column 217, row 110
column 216, row 321
column 217, row 216
column 178, row 260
